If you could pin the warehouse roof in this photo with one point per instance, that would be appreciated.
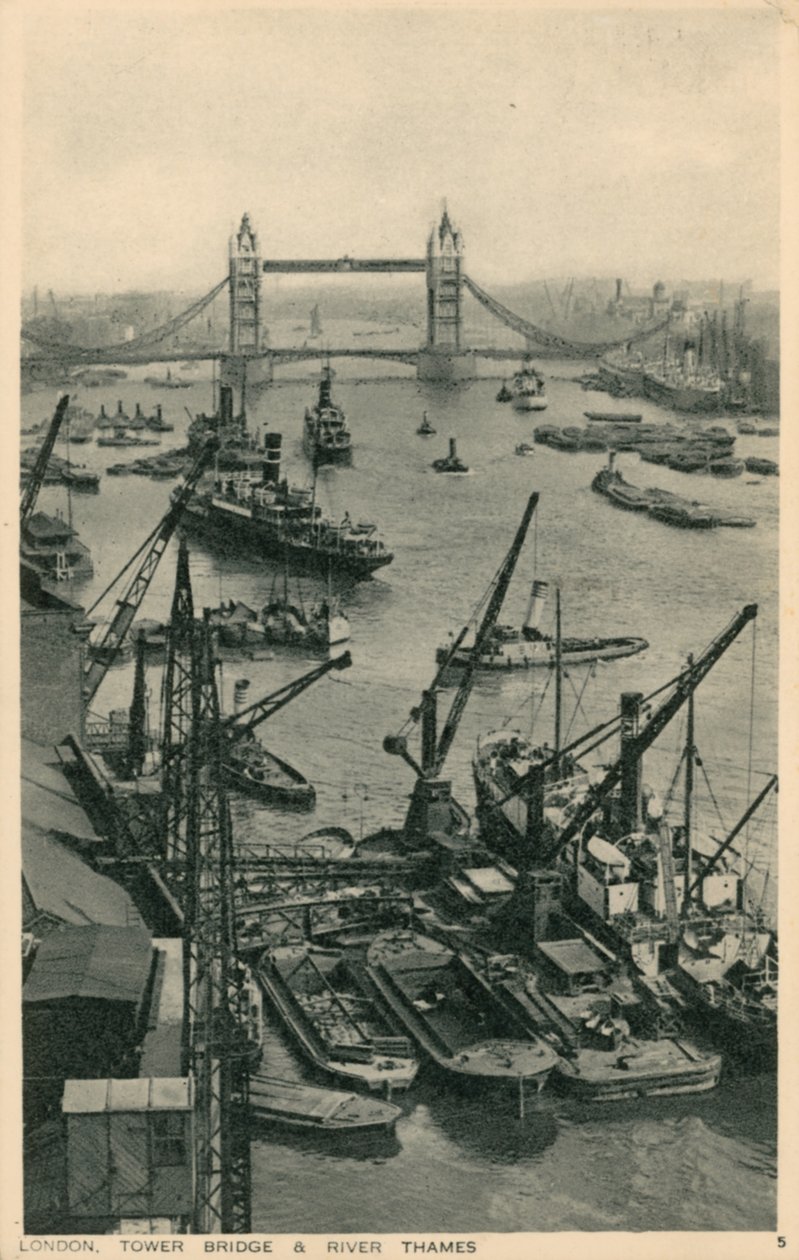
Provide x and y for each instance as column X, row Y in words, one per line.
column 48, row 802
column 96, row 961
column 62, row 886
column 143, row 1094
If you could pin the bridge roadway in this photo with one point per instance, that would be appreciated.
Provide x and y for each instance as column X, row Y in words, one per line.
column 276, row 356
column 345, row 264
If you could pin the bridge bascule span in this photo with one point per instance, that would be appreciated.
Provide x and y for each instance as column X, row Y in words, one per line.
column 443, row 356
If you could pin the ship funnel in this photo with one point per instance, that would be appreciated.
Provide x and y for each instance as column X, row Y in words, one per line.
column 226, row 405
column 240, row 689
column 535, row 606
column 325, row 394
column 618, row 290
column 453, row 451
column 630, row 786
column 272, row 446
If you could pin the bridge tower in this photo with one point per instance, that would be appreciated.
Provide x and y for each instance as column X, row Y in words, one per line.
column 246, row 355
column 444, row 358
column 245, row 290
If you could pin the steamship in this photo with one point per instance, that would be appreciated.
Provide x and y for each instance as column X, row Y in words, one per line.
column 326, row 438
column 513, row 647
column 528, row 391
column 265, row 516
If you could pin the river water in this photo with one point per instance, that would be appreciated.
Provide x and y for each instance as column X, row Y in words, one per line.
column 461, row 1163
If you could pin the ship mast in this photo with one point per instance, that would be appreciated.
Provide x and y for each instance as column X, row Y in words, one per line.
column 558, row 682
column 69, row 478
column 689, row 782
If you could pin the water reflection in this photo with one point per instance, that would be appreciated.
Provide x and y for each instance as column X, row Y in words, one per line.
column 488, row 1124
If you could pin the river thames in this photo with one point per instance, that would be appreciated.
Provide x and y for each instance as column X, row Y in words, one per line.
column 460, row 1163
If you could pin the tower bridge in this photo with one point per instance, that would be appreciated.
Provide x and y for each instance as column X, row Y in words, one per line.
column 443, row 356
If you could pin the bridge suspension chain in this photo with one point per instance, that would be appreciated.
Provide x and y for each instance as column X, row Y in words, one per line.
column 549, row 339
column 143, row 342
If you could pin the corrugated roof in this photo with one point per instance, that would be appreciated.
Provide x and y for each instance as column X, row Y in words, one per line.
column 48, row 801
column 109, row 963
column 59, row 884
column 138, row 1094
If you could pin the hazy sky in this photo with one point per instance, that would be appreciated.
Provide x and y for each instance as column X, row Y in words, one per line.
column 637, row 144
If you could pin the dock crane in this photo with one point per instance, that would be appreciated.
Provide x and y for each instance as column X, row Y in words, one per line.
column 177, row 700
column 104, row 652
column 242, row 724
column 217, row 1043
column 34, row 485
column 432, row 808
column 199, row 848
column 626, row 770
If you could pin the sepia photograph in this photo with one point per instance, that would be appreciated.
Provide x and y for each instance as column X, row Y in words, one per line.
column 396, row 395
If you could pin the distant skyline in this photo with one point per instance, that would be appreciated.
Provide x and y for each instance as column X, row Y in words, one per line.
column 585, row 142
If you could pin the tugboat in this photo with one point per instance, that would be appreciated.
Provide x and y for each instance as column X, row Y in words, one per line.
column 504, row 394
column 326, row 438
column 511, row 647
column 528, row 390
column 265, row 516
column 450, row 463
column 425, row 428
column 238, row 450
column 253, row 770
column 157, row 423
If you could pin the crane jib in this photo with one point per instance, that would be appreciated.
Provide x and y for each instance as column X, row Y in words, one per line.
column 106, row 650
column 686, row 685
column 483, row 633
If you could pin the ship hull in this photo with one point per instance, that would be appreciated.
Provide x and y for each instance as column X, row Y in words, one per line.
column 751, row 1036
column 244, row 534
column 322, row 453
column 629, row 378
column 596, row 1077
column 280, row 784
column 298, row 1106
column 359, row 1064
column 681, row 397
column 542, row 654
column 462, row 1029
column 528, row 402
